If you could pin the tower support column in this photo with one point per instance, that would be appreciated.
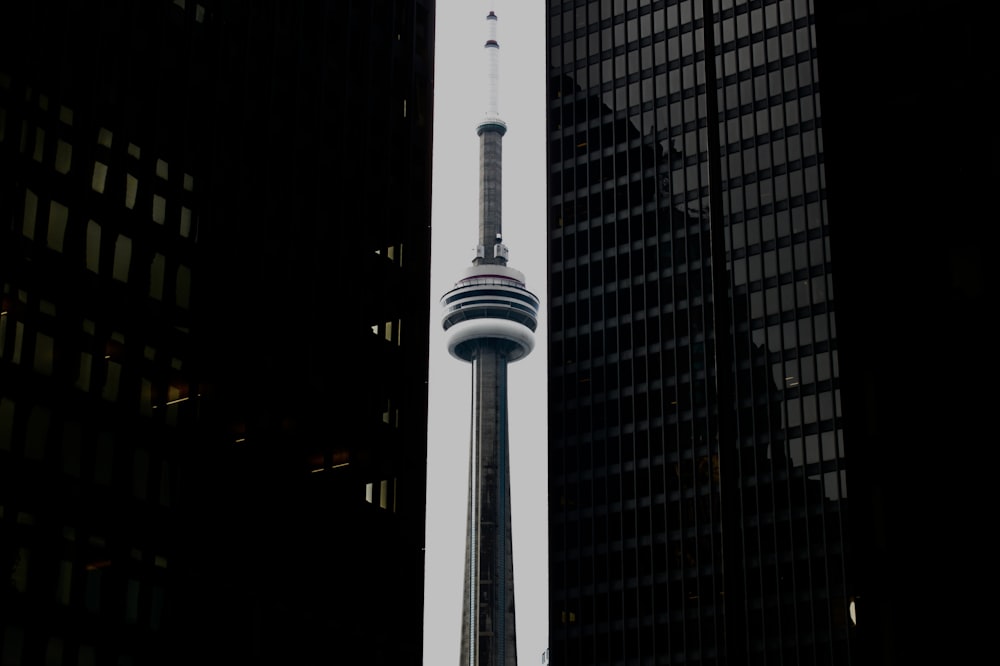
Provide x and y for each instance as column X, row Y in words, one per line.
column 488, row 636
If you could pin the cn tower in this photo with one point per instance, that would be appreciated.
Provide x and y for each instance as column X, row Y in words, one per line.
column 489, row 320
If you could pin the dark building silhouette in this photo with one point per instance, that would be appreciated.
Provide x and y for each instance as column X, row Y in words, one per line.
column 911, row 162
column 698, row 458
column 214, row 273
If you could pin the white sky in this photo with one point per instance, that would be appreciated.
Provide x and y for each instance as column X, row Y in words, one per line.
column 459, row 105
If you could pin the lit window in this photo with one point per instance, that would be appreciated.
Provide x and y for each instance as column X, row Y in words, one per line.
column 162, row 169
column 123, row 257
column 100, row 176
column 43, row 354
column 64, row 156
column 133, row 150
column 159, row 209
column 185, row 221
column 104, row 137
column 131, row 187
column 58, row 215
column 384, row 499
column 188, row 182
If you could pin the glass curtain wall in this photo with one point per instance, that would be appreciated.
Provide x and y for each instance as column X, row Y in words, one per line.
column 698, row 467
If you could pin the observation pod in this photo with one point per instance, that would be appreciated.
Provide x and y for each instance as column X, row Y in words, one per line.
column 490, row 303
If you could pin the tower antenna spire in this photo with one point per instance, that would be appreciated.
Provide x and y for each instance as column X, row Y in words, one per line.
column 491, row 129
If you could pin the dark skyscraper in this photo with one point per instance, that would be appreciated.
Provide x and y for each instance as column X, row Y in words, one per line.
column 698, row 458
column 489, row 319
column 214, row 275
column 911, row 145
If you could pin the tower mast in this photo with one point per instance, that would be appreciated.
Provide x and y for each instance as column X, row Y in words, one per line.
column 489, row 319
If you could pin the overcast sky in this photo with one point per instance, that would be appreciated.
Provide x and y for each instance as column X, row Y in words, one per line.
column 459, row 105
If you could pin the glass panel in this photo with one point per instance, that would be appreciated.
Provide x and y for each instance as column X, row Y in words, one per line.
column 58, row 216
column 30, row 212
column 156, row 272
column 64, row 156
column 93, row 246
column 123, row 258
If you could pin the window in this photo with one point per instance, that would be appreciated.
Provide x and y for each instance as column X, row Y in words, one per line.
column 183, row 286
column 123, row 258
column 100, row 177
column 156, row 271
column 159, row 209
column 131, row 189
column 93, row 246
column 30, row 212
column 64, row 156
column 58, row 215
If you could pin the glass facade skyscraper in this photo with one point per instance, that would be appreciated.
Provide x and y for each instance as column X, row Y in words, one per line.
column 214, row 277
column 698, row 464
